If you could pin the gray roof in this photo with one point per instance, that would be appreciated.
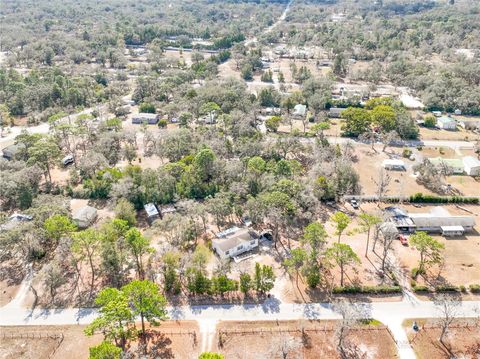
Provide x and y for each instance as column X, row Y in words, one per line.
column 235, row 239
column 430, row 220
column 396, row 211
column 145, row 115
column 151, row 209
column 300, row 110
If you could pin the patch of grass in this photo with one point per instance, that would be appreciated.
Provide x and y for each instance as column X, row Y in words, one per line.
column 370, row 321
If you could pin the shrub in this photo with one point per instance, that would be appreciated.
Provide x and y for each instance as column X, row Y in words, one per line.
column 420, row 288
column 447, row 288
column 146, row 108
column 416, row 272
column 425, row 198
column 430, row 121
column 162, row 123
column 381, row 289
column 407, row 152
column 475, row 288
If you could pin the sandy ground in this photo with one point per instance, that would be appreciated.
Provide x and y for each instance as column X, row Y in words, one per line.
column 461, row 265
column 179, row 340
column 403, row 183
column 435, row 134
column 264, row 339
column 463, row 338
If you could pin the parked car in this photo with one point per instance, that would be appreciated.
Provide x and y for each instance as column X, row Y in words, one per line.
column 403, row 240
column 67, row 160
column 354, row 204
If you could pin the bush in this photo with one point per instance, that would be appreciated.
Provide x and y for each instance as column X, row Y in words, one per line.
column 146, row 108
column 416, row 272
column 162, row 123
column 430, row 121
column 475, row 288
column 420, row 288
column 380, row 289
column 425, row 198
column 407, row 152
column 447, row 288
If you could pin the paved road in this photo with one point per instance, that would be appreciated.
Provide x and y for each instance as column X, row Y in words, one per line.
column 391, row 314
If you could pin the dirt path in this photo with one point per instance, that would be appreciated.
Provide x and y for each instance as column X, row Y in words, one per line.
column 16, row 303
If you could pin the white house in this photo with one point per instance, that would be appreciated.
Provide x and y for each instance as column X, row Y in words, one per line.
column 471, row 166
column 446, row 123
column 234, row 241
column 392, row 164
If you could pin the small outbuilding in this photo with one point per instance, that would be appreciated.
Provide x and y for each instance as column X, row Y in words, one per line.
column 395, row 165
column 300, row 110
column 152, row 212
column 335, row 112
column 12, row 152
column 471, row 166
column 446, row 123
column 145, row 118
column 84, row 217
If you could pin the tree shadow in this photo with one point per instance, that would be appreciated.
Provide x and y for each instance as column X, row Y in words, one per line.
column 159, row 345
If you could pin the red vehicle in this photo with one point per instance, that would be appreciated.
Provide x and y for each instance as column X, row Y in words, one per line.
column 403, row 240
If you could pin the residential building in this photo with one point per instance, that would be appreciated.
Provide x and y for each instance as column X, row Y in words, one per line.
column 234, row 241
column 471, row 166
column 439, row 220
column 145, row 118
column 446, row 123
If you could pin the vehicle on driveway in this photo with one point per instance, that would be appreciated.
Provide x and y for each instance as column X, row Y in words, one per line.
column 403, row 240
column 354, row 204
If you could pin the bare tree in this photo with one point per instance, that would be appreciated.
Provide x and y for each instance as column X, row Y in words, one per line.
column 351, row 313
column 387, row 239
column 286, row 347
column 448, row 307
column 382, row 183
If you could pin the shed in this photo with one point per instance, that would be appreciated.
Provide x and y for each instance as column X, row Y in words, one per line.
column 152, row 212
column 12, row 152
column 471, row 165
column 392, row 164
column 446, row 123
column 453, row 164
column 450, row 231
column 335, row 112
column 145, row 118
column 84, row 217
column 300, row 110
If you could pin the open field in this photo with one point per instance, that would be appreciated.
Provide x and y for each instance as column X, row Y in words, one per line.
column 175, row 339
column 266, row 339
column 463, row 339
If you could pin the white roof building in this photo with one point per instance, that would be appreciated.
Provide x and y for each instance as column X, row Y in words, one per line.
column 234, row 241
column 471, row 165
column 300, row 110
column 393, row 164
